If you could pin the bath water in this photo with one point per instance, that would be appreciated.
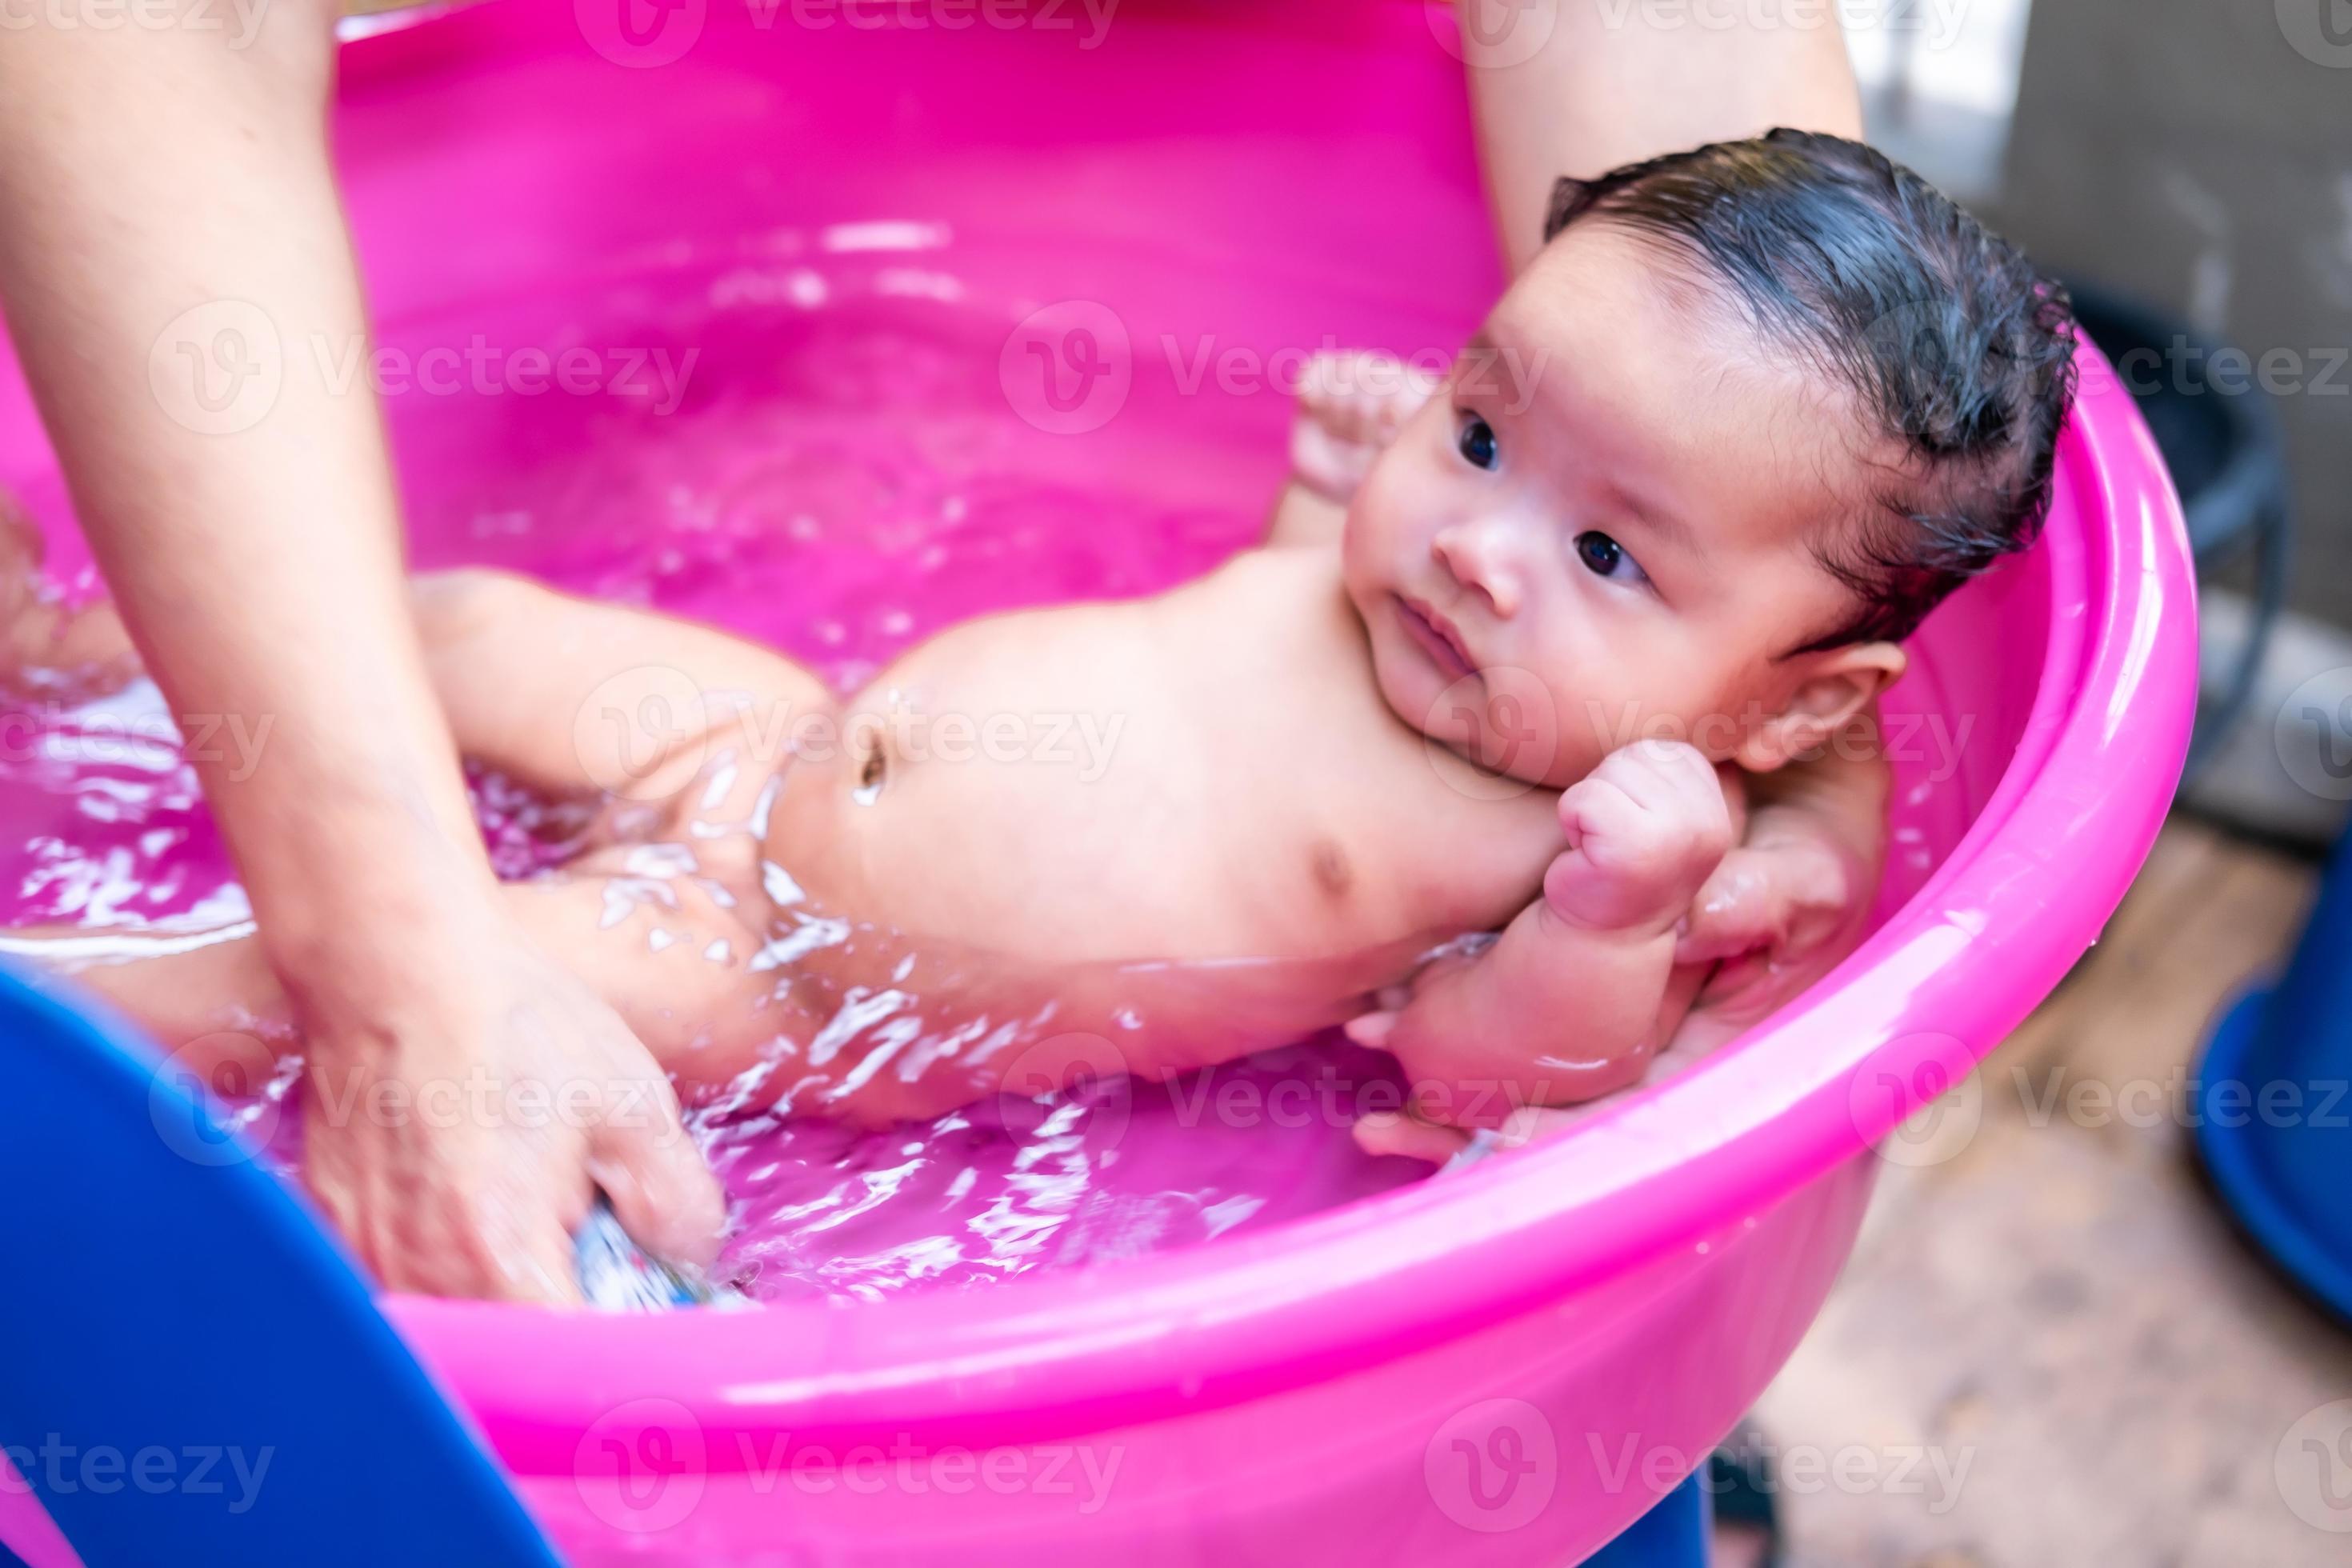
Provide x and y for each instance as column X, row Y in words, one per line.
column 826, row 449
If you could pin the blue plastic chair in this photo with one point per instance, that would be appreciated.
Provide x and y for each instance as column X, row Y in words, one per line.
column 173, row 1313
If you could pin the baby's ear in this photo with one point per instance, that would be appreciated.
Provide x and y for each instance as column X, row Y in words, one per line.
column 1830, row 687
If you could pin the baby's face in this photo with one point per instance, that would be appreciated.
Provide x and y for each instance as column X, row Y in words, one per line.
column 1599, row 527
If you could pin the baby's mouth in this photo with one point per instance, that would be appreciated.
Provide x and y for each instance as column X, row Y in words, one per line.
column 1437, row 637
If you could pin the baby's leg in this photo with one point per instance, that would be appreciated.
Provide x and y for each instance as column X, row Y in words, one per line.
column 566, row 694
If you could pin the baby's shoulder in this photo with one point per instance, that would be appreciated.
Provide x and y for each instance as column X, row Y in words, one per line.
column 1297, row 569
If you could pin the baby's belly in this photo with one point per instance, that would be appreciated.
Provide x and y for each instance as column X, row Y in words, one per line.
column 946, row 935
column 1075, row 789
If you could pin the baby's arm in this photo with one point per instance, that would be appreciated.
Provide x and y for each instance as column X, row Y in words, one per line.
column 1350, row 407
column 1781, row 909
column 1575, row 996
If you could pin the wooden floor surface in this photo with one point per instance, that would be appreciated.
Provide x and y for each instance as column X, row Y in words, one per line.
column 2092, row 1369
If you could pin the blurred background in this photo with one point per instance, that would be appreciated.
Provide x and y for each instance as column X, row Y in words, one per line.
column 2123, row 1374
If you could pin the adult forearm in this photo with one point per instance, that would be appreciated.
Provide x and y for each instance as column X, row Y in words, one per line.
column 178, row 334
column 1579, row 87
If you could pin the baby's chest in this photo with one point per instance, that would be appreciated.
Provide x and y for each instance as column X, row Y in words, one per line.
column 1404, row 849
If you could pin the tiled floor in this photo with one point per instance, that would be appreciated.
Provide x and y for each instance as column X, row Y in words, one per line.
column 2049, row 1348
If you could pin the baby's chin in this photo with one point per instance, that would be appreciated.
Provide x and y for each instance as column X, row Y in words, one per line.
column 1416, row 691
column 1475, row 755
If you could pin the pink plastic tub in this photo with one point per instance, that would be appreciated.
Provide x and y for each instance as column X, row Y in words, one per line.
column 1506, row 1365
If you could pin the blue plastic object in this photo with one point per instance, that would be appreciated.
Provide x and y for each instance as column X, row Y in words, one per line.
column 210, row 1380
column 2273, row 1103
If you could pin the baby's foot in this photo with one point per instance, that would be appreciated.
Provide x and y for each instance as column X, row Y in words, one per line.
column 1644, row 830
column 1350, row 407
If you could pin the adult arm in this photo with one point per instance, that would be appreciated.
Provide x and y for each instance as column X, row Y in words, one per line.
column 1579, row 87
column 167, row 205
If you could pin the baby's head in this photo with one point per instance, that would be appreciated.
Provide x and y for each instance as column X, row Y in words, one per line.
column 1754, row 411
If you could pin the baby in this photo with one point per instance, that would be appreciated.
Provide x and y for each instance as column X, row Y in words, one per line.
column 1755, row 410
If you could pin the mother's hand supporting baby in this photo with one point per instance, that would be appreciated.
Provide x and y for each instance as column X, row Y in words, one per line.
column 456, row 1127
column 463, row 1091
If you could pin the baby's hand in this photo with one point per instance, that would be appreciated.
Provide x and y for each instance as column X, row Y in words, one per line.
column 1644, row 830
column 1413, row 1136
column 1350, row 407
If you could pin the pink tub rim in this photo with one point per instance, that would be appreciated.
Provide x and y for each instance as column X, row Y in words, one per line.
column 2023, row 894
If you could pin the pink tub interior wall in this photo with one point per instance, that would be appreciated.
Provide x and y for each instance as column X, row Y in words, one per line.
column 845, row 227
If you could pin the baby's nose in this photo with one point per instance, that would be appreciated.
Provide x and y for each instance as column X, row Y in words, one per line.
column 1477, row 555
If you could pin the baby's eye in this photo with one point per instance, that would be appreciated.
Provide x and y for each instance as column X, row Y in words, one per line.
column 1476, row 442
column 1604, row 557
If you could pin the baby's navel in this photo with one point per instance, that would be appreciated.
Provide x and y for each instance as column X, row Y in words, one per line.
column 1333, row 873
column 871, row 774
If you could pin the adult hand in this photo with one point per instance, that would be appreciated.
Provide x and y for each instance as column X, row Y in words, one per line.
column 168, row 198
column 456, row 1136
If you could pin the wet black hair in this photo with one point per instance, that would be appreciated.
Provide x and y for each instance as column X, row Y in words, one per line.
column 1948, row 338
